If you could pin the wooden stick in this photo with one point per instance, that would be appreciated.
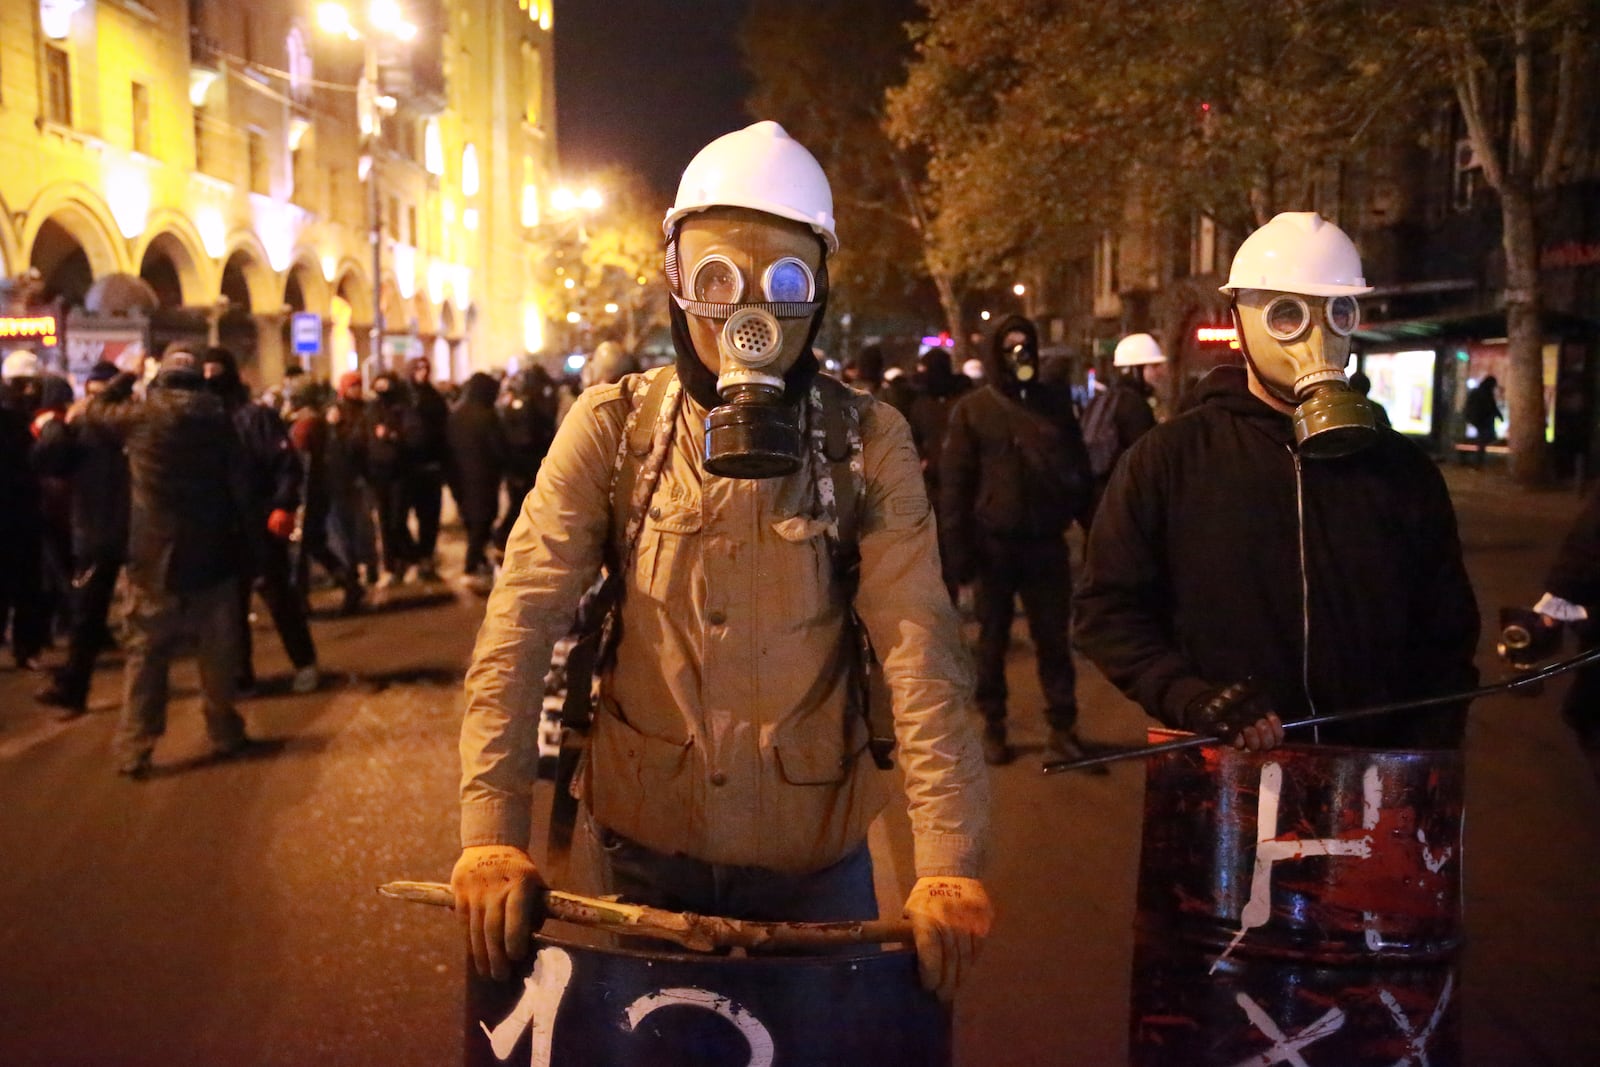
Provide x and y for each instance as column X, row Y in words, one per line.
column 699, row 933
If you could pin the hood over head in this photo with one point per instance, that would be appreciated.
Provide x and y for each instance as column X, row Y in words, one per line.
column 996, row 367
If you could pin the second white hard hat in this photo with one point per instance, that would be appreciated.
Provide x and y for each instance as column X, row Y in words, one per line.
column 762, row 168
column 1137, row 350
column 1298, row 252
column 20, row 364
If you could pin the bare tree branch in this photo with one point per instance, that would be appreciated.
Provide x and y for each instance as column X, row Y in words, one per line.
column 1561, row 126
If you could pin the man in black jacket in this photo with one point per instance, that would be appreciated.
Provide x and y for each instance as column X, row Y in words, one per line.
column 427, row 448
column 189, row 533
column 1014, row 477
column 1253, row 561
column 275, row 479
column 477, row 460
column 1123, row 413
column 91, row 458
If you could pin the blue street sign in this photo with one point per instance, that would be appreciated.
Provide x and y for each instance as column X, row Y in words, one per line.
column 305, row 333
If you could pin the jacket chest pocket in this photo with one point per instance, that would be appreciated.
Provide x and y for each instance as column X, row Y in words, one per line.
column 668, row 551
column 797, row 571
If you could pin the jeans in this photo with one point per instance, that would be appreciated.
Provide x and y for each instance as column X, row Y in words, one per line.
column 840, row 893
column 159, row 623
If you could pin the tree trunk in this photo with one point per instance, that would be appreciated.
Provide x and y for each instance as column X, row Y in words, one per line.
column 952, row 316
column 1524, row 340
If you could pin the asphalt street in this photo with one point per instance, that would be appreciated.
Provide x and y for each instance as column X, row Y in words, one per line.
column 226, row 913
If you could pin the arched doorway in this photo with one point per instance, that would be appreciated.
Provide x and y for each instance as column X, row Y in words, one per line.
column 63, row 265
column 350, row 316
column 236, row 327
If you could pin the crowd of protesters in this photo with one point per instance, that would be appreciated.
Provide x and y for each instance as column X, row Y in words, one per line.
column 180, row 494
column 184, row 495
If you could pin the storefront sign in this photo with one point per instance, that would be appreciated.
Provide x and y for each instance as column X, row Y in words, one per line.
column 1217, row 335
column 1570, row 254
column 40, row 328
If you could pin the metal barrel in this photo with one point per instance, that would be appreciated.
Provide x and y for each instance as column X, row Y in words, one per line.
column 576, row 1003
column 1264, row 1011
column 1318, row 853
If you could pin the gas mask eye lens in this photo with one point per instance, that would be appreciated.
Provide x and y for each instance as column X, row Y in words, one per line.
column 788, row 281
column 716, row 281
column 1286, row 317
column 1344, row 315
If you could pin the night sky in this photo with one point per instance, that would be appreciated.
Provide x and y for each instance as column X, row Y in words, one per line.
column 646, row 83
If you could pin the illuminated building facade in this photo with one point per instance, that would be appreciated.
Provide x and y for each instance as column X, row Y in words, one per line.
column 224, row 154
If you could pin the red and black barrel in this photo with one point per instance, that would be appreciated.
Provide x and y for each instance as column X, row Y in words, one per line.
column 1300, row 902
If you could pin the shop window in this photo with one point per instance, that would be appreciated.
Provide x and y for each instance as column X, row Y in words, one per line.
column 140, row 118
column 411, row 226
column 58, row 85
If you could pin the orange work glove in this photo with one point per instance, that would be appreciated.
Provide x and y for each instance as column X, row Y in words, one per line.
column 499, row 900
column 950, row 917
column 280, row 524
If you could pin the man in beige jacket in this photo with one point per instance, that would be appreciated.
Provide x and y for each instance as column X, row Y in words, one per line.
column 728, row 769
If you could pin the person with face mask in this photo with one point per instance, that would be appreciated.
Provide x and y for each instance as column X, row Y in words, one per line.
column 728, row 770
column 1120, row 415
column 276, row 480
column 1269, row 554
column 1014, row 476
column 192, row 525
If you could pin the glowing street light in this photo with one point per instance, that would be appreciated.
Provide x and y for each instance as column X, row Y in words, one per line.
column 611, row 308
column 590, row 199
column 335, row 19
column 1019, row 289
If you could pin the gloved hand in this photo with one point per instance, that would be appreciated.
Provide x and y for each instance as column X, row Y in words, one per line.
column 950, row 917
column 500, row 899
column 1239, row 713
column 280, row 524
column 1527, row 637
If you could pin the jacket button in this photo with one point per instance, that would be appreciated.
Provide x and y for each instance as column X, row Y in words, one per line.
column 655, row 512
column 716, row 618
column 718, row 778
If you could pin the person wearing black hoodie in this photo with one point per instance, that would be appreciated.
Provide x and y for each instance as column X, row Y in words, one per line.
column 275, row 478
column 92, row 460
column 427, row 449
column 477, row 463
column 1014, row 475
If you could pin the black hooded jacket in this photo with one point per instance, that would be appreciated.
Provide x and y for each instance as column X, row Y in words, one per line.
column 1013, row 463
column 1193, row 574
column 477, row 450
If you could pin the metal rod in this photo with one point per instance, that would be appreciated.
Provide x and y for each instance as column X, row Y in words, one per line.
column 1199, row 741
column 700, row 933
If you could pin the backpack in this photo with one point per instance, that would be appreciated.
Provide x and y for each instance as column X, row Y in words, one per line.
column 1100, row 435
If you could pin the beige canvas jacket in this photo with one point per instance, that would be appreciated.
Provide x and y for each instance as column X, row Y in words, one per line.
column 722, row 731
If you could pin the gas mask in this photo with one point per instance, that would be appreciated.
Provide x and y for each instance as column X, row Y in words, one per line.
column 1298, row 346
column 747, row 283
column 1022, row 361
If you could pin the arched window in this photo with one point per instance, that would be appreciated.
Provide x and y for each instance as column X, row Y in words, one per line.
column 469, row 171
column 533, row 81
column 432, row 148
column 299, row 65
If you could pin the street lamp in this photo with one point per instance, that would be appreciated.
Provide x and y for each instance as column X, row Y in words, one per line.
column 384, row 18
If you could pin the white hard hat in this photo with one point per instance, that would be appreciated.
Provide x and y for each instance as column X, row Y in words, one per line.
column 762, row 168
column 1137, row 350
column 973, row 368
column 1298, row 252
column 20, row 364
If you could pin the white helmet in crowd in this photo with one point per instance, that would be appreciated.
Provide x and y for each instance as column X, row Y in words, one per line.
column 1298, row 252
column 20, row 364
column 1137, row 350
column 973, row 368
column 762, row 168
